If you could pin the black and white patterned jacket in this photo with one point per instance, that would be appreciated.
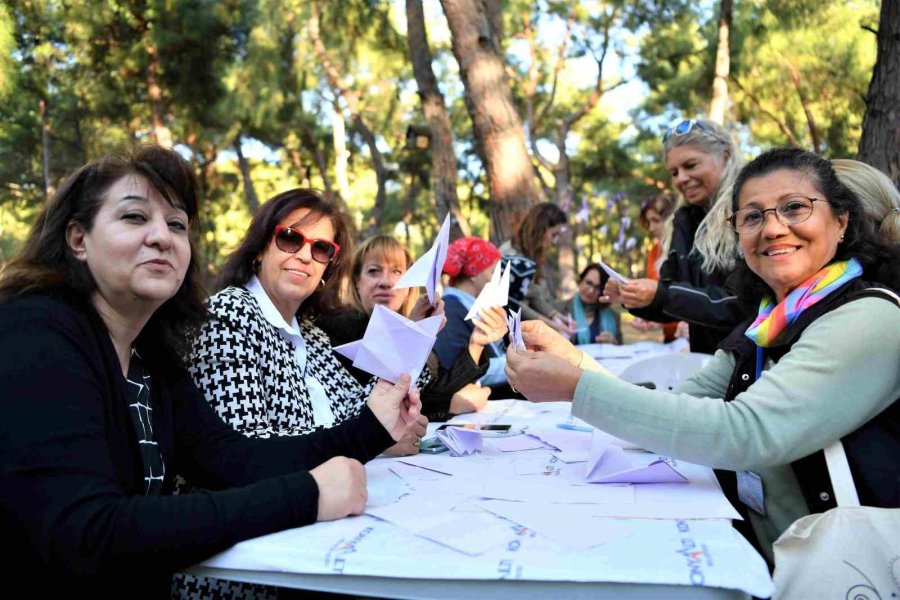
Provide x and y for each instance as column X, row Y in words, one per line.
column 249, row 375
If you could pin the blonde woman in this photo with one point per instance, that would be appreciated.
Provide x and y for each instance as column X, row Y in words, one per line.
column 877, row 194
column 699, row 247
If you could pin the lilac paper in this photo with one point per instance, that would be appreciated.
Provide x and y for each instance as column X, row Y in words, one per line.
column 608, row 463
column 515, row 331
column 427, row 270
column 461, row 441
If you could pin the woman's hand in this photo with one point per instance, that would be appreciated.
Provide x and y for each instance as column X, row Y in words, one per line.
column 409, row 443
column 611, row 293
column 541, row 376
column 638, row 293
column 469, row 398
column 606, row 337
column 683, row 330
column 490, row 327
column 423, row 308
column 396, row 408
column 342, row 488
column 539, row 337
column 642, row 325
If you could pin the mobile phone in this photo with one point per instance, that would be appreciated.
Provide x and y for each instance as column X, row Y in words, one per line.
column 488, row 430
column 432, row 445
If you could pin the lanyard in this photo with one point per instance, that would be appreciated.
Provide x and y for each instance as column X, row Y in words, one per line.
column 759, row 362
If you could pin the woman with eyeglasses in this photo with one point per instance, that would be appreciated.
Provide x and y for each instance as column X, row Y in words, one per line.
column 378, row 263
column 699, row 248
column 596, row 322
column 98, row 415
column 528, row 250
column 818, row 361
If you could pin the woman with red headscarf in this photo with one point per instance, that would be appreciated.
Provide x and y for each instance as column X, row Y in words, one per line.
column 470, row 264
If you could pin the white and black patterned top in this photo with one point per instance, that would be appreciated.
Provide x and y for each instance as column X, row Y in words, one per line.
column 248, row 372
column 137, row 386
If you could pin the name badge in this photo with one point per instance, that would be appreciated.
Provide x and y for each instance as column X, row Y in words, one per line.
column 750, row 491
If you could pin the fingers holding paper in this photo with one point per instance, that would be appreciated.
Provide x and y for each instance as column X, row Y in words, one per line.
column 541, row 376
column 395, row 406
column 637, row 293
column 342, row 488
column 490, row 327
column 423, row 308
column 612, row 293
column 538, row 336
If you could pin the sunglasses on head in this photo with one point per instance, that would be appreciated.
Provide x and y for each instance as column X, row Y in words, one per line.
column 292, row 240
column 684, row 128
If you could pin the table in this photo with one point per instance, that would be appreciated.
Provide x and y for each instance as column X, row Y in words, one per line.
column 673, row 558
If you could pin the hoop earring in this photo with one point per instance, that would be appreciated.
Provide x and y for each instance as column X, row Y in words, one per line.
column 255, row 265
column 322, row 283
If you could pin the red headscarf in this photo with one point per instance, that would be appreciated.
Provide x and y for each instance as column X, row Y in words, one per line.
column 469, row 256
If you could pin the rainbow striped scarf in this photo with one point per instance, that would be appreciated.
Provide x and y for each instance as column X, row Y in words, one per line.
column 773, row 319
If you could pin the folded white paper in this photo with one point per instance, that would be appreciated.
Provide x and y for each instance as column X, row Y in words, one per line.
column 427, row 270
column 613, row 273
column 393, row 345
column 461, row 441
column 515, row 331
column 608, row 463
column 494, row 293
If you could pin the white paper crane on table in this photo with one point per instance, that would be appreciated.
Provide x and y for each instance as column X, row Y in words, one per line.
column 427, row 270
column 494, row 293
column 393, row 345
column 609, row 463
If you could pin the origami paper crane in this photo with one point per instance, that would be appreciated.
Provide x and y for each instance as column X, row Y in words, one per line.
column 427, row 270
column 609, row 463
column 515, row 330
column 461, row 441
column 393, row 345
column 494, row 293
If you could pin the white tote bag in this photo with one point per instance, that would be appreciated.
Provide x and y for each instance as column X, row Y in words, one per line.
column 850, row 552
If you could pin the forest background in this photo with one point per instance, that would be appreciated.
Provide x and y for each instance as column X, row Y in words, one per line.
column 406, row 110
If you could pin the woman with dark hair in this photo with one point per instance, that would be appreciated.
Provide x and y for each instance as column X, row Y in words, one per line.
column 699, row 249
column 98, row 414
column 527, row 252
column 812, row 367
column 262, row 363
column 596, row 322
column 378, row 263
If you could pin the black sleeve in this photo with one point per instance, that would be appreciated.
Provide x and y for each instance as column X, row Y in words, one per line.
column 437, row 395
column 61, row 456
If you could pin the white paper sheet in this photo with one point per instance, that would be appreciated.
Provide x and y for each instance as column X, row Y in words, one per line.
column 613, row 274
column 427, row 270
column 494, row 293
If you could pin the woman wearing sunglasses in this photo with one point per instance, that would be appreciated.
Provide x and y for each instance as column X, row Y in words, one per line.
column 97, row 413
column 700, row 251
column 262, row 363
column 816, row 363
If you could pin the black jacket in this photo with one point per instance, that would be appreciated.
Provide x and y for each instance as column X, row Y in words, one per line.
column 872, row 450
column 687, row 293
column 72, row 507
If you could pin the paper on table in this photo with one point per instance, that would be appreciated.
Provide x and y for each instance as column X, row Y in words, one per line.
column 609, row 463
column 388, row 332
column 565, row 440
column 515, row 330
column 427, row 270
column 613, row 273
column 494, row 293
column 537, row 488
column 516, row 443
column 461, row 441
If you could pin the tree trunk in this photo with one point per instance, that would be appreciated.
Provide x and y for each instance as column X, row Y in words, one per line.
column 807, row 110
column 339, row 140
column 244, row 166
column 443, row 157
column 49, row 188
column 381, row 176
column 880, row 142
column 719, row 103
column 499, row 135
column 161, row 133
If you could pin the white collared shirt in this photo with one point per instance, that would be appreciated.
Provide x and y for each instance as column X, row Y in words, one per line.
column 323, row 415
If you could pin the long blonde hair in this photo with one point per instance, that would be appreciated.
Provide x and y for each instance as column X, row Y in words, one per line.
column 877, row 194
column 386, row 249
column 714, row 240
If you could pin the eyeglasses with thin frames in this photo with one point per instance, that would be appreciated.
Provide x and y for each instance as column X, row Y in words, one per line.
column 790, row 211
column 292, row 240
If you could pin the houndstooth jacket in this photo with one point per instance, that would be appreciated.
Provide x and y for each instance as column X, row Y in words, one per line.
column 248, row 373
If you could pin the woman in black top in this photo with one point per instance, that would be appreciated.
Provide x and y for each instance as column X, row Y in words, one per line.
column 95, row 313
column 699, row 248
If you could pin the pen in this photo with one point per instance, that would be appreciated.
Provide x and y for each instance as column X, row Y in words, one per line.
column 574, row 427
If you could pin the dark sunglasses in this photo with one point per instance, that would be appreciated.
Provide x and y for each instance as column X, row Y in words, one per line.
column 292, row 240
column 684, row 128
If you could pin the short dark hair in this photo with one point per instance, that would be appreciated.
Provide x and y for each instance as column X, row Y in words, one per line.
column 47, row 265
column 880, row 260
column 239, row 268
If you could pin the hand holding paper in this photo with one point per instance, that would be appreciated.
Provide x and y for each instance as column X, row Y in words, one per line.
column 393, row 345
column 427, row 270
column 461, row 441
column 515, row 331
column 494, row 293
column 613, row 273
column 608, row 463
